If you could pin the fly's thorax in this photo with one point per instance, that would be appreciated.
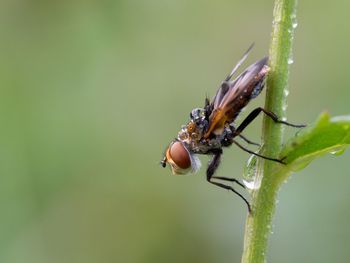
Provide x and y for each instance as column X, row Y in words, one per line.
column 198, row 114
column 191, row 132
column 194, row 130
column 203, row 146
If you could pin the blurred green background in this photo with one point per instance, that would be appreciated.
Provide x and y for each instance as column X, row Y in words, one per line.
column 93, row 91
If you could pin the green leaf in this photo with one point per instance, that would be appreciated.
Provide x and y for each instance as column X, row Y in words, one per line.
column 326, row 135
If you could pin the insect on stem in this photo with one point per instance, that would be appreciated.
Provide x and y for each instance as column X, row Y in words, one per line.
column 211, row 128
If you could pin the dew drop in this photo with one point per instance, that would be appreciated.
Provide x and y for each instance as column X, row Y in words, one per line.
column 277, row 12
column 294, row 20
column 249, row 184
column 250, row 174
column 290, row 61
column 338, row 152
column 286, row 92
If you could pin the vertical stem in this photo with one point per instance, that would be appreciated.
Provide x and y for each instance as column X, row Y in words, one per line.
column 258, row 225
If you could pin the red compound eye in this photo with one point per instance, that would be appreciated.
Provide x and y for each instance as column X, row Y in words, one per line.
column 180, row 155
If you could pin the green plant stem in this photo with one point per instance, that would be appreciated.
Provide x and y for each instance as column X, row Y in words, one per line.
column 258, row 225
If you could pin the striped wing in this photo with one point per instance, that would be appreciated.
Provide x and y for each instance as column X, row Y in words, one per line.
column 234, row 95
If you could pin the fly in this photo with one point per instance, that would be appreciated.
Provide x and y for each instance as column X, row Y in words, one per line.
column 212, row 127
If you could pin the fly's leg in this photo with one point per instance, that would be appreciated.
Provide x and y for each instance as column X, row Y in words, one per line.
column 255, row 114
column 247, row 121
column 213, row 165
column 229, row 180
column 234, row 134
column 233, row 190
column 259, row 155
column 247, row 140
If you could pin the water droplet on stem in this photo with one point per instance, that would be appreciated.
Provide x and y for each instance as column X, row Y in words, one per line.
column 250, row 178
column 338, row 152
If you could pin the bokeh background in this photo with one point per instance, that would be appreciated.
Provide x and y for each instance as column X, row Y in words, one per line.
column 93, row 91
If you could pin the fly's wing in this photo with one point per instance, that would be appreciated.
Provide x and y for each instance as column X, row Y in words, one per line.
column 224, row 86
column 238, row 93
column 245, row 84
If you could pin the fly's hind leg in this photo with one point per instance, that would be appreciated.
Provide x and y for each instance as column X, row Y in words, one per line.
column 249, row 119
column 255, row 114
column 233, row 180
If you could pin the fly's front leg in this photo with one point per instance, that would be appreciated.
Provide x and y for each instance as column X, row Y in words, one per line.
column 233, row 180
column 214, row 164
column 212, row 167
